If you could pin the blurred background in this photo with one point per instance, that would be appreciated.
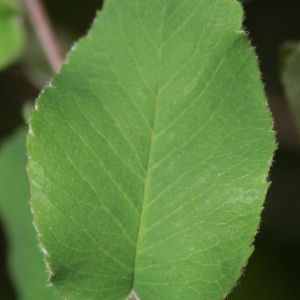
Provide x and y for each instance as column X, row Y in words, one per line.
column 273, row 271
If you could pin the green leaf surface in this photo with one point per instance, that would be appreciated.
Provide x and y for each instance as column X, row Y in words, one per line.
column 26, row 264
column 149, row 152
column 11, row 36
column 290, row 75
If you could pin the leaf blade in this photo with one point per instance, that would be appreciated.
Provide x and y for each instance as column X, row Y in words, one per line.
column 165, row 107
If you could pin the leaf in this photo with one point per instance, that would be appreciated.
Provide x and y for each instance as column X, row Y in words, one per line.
column 149, row 152
column 290, row 76
column 11, row 36
column 25, row 259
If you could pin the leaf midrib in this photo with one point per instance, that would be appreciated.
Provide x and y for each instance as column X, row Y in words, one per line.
column 152, row 137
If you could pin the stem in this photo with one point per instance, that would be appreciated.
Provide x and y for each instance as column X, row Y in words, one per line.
column 45, row 33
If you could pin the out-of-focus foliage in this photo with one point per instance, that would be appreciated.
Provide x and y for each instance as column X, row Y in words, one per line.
column 26, row 264
column 290, row 75
column 11, row 35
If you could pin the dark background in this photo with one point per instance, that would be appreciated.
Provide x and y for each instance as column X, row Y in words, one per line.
column 273, row 271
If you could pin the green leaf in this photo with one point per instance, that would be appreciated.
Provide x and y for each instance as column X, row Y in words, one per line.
column 290, row 76
column 11, row 35
column 25, row 258
column 149, row 152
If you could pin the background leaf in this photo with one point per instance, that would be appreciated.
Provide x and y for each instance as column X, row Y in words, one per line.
column 25, row 258
column 290, row 75
column 148, row 154
column 11, row 39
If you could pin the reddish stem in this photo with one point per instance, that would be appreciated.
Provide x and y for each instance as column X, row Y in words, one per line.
column 45, row 33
